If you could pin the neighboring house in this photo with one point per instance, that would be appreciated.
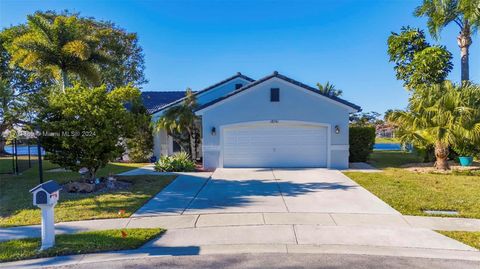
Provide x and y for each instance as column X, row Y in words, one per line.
column 271, row 122
column 385, row 130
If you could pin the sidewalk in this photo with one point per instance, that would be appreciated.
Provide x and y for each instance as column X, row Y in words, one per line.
column 246, row 219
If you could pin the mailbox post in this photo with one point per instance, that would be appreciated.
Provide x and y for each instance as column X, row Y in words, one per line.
column 46, row 196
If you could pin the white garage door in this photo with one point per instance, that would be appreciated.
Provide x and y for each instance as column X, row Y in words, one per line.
column 275, row 145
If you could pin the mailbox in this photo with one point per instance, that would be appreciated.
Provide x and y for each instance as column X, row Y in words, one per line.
column 46, row 193
column 46, row 197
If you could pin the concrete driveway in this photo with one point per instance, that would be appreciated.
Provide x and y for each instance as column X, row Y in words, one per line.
column 265, row 190
column 234, row 211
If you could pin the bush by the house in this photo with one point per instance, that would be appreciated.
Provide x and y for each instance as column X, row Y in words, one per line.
column 362, row 140
column 141, row 144
column 179, row 162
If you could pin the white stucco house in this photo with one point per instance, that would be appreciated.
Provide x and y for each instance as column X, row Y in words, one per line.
column 275, row 121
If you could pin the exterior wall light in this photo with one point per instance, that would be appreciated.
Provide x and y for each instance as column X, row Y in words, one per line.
column 213, row 131
column 337, row 129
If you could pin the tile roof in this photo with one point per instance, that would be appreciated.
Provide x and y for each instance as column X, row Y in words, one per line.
column 174, row 102
column 154, row 101
column 277, row 75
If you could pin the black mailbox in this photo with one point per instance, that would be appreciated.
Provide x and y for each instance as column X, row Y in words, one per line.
column 41, row 198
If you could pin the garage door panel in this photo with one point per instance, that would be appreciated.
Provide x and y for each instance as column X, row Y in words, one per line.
column 275, row 145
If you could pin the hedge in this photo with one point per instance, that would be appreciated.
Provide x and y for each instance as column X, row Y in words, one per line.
column 361, row 140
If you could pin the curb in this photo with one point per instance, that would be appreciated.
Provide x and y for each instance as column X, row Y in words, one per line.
column 245, row 249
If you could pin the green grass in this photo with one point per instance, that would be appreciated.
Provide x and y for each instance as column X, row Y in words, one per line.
column 392, row 159
column 6, row 163
column 469, row 238
column 411, row 192
column 85, row 242
column 386, row 140
column 16, row 202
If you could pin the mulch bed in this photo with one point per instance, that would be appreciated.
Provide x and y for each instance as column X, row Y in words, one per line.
column 104, row 185
column 429, row 167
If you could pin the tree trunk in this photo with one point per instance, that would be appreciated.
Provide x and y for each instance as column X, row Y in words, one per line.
column 441, row 155
column 464, row 41
column 93, row 173
column 193, row 148
column 193, row 151
column 64, row 78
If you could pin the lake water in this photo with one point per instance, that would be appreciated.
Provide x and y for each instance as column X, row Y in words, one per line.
column 23, row 150
column 385, row 146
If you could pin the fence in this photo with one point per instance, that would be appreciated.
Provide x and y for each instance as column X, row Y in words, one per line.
column 19, row 155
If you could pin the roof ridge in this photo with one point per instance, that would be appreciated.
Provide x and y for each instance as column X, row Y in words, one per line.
column 290, row 80
column 237, row 75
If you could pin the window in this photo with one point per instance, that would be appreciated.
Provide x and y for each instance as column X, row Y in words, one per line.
column 238, row 86
column 274, row 95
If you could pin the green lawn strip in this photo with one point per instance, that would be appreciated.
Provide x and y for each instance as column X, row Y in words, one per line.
column 392, row 159
column 469, row 238
column 386, row 140
column 411, row 192
column 16, row 207
column 80, row 243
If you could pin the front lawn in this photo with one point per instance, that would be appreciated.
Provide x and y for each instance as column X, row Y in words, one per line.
column 80, row 243
column 392, row 159
column 469, row 238
column 411, row 192
column 6, row 163
column 16, row 202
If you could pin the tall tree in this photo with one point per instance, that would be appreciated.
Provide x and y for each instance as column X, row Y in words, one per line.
column 464, row 13
column 16, row 87
column 9, row 111
column 329, row 89
column 68, row 48
column 59, row 46
column 440, row 115
column 127, row 60
column 418, row 63
column 180, row 122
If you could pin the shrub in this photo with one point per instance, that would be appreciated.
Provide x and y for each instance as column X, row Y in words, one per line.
column 465, row 147
column 426, row 153
column 141, row 144
column 179, row 162
column 361, row 140
column 86, row 125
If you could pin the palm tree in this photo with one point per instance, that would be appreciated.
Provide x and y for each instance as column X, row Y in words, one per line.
column 180, row 122
column 464, row 13
column 440, row 115
column 329, row 89
column 59, row 46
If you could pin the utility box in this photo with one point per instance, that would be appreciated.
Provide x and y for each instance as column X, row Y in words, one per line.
column 46, row 197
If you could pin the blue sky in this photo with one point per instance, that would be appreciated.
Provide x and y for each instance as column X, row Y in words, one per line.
column 197, row 43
